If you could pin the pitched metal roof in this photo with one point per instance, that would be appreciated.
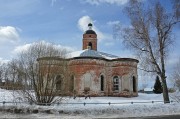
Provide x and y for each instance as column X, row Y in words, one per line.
column 91, row 53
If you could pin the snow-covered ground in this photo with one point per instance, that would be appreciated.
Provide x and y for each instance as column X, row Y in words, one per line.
column 119, row 107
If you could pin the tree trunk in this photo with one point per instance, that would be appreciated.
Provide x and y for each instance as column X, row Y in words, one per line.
column 165, row 90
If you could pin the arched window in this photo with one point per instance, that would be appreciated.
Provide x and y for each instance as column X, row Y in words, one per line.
column 102, row 83
column 90, row 45
column 71, row 84
column 115, row 83
column 59, row 82
column 134, row 84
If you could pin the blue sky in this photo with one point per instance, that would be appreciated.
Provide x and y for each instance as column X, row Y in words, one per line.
column 63, row 22
column 57, row 21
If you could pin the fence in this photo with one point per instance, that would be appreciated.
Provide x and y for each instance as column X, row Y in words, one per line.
column 17, row 100
column 87, row 103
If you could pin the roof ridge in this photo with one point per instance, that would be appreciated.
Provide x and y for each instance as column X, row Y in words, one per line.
column 91, row 53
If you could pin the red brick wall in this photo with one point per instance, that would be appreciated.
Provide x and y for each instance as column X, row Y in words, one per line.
column 97, row 67
column 90, row 38
column 79, row 67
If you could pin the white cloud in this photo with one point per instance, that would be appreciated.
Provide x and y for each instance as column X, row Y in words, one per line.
column 112, row 23
column 8, row 34
column 97, row 2
column 21, row 48
column 83, row 26
column 83, row 23
column 109, row 44
column 53, row 2
column 83, row 11
column 25, row 47
column 61, row 8
column 69, row 49
column 3, row 61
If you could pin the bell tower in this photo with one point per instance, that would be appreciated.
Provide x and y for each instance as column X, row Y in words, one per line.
column 90, row 39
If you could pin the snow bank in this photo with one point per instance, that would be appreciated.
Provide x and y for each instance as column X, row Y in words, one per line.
column 125, row 109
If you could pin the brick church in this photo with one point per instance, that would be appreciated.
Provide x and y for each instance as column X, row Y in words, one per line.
column 95, row 73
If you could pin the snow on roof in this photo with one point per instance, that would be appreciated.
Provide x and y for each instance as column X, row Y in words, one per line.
column 90, row 53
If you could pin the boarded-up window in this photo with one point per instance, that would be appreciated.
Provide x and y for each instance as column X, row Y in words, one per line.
column 71, row 84
column 59, row 82
column 87, row 81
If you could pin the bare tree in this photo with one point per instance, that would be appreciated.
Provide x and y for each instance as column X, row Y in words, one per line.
column 1, row 73
column 176, row 75
column 176, row 80
column 150, row 35
column 38, row 77
column 4, row 75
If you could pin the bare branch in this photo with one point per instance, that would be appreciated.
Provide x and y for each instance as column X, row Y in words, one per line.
column 151, row 71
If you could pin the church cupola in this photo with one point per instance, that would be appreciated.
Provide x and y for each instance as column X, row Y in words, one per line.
column 90, row 39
